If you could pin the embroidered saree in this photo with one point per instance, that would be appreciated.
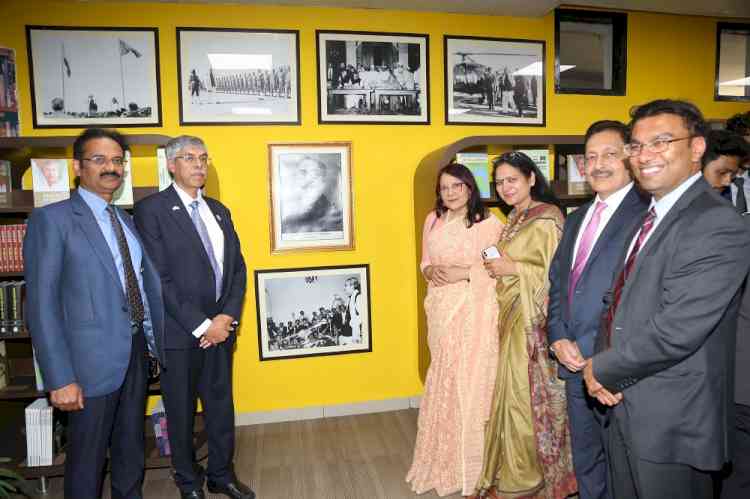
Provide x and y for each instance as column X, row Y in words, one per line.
column 527, row 444
column 461, row 333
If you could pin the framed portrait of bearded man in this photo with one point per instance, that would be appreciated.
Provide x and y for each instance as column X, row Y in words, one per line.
column 310, row 196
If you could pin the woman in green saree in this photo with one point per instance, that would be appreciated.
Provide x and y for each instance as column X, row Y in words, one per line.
column 527, row 441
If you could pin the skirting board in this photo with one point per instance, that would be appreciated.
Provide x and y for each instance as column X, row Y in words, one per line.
column 330, row 411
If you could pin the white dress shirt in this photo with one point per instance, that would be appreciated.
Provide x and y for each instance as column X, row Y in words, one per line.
column 613, row 202
column 215, row 235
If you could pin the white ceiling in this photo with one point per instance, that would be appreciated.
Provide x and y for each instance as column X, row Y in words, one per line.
column 528, row 8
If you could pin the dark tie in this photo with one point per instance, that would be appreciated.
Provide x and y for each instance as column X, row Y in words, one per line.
column 648, row 224
column 741, row 202
column 203, row 233
column 131, row 283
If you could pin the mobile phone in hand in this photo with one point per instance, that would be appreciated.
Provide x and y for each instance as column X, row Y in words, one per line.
column 490, row 253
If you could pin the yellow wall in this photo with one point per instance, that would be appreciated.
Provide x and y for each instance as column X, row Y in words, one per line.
column 668, row 57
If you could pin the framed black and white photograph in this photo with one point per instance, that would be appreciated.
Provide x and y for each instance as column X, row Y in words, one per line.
column 494, row 81
column 375, row 78
column 238, row 76
column 310, row 196
column 732, row 80
column 83, row 76
column 313, row 311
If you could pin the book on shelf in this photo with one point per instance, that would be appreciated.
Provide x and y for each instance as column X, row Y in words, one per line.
column 4, row 375
column 50, row 180
column 159, row 421
column 39, row 438
column 541, row 158
column 478, row 164
column 576, row 174
column 6, row 185
column 123, row 196
column 165, row 178
column 11, row 247
column 38, row 380
column 12, row 303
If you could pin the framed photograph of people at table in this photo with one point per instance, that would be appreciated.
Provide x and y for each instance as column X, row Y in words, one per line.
column 94, row 76
column 494, row 81
column 313, row 311
column 310, row 196
column 373, row 78
column 238, row 76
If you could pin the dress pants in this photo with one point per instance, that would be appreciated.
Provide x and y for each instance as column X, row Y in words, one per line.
column 634, row 478
column 737, row 485
column 114, row 420
column 586, row 417
column 204, row 373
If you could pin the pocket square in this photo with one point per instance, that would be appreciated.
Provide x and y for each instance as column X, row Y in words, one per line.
column 175, row 208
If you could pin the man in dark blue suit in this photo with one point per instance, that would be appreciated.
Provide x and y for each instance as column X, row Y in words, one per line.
column 94, row 308
column 580, row 274
column 197, row 252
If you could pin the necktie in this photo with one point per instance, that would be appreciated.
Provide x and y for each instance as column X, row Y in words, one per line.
column 203, row 233
column 741, row 203
column 584, row 248
column 648, row 224
column 131, row 283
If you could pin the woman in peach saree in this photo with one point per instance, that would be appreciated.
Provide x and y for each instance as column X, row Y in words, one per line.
column 461, row 314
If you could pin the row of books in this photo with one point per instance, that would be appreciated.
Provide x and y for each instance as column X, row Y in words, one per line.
column 45, row 433
column 11, row 247
column 12, row 300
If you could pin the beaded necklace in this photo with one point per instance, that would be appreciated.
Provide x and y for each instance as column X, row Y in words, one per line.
column 515, row 222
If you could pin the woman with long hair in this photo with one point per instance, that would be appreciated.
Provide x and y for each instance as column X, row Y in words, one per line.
column 461, row 332
column 527, row 442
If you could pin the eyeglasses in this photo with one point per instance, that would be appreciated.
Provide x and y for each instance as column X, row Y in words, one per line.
column 194, row 160
column 457, row 187
column 103, row 160
column 655, row 146
column 606, row 159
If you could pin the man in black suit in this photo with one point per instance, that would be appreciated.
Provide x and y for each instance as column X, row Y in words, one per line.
column 722, row 165
column 197, row 253
column 580, row 274
column 665, row 357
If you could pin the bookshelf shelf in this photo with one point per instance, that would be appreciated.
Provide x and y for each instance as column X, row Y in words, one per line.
column 19, row 388
column 22, row 202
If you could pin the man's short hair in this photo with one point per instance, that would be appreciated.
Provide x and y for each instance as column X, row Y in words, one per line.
column 608, row 126
column 724, row 143
column 96, row 133
column 690, row 114
column 177, row 144
column 739, row 124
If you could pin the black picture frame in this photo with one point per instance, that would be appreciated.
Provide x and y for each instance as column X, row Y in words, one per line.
column 43, row 63
column 258, row 95
column 419, row 93
column 515, row 47
column 313, row 339
column 619, row 22
column 730, row 26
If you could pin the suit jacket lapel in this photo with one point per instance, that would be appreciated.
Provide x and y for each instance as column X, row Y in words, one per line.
column 90, row 227
column 568, row 255
column 182, row 219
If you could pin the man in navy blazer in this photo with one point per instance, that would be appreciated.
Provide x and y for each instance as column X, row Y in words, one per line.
column 94, row 308
column 197, row 252
column 581, row 272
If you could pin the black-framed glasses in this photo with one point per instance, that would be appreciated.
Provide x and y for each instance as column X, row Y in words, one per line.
column 656, row 146
column 103, row 160
column 194, row 160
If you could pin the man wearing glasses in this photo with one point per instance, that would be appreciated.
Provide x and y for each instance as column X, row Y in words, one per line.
column 665, row 360
column 580, row 274
column 94, row 308
column 197, row 253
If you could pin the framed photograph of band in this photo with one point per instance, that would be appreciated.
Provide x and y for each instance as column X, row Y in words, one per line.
column 238, row 76
column 494, row 81
column 311, row 196
column 313, row 311
column 94, row 76
column 374, row 78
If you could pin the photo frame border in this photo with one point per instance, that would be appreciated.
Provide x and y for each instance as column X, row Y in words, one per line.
column 720, row 26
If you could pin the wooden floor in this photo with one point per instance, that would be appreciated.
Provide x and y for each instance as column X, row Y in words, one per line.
column 351, row 457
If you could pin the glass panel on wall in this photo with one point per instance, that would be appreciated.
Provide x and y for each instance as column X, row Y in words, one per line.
column 732, row 62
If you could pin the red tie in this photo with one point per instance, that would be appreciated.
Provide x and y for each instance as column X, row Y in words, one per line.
column 648, row 224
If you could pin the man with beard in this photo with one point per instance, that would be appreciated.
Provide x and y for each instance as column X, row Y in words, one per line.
column 582, row 271
column 308, row 188
column 94, row 304
column 197, row 252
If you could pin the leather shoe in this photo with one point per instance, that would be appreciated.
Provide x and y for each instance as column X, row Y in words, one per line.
column 193, row 494
column 235, row 490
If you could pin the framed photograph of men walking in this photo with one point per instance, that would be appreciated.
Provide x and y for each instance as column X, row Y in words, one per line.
column 311, row 196
column 238, row 76
column 313, row 311
column 375, row 78
column 494, row 81
column 84, row 76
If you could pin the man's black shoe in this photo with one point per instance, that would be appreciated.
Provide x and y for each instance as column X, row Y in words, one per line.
column 235, row 490
column 193, row 494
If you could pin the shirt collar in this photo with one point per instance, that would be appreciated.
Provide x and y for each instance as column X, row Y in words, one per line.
column 94, row 202
column 185, row 197
column 662, row 206
column 614, row 199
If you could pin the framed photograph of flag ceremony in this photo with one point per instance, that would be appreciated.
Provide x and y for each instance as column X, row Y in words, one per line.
column 84, row 76
column 238, row 76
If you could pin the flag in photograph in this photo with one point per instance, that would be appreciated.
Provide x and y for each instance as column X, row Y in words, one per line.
column 126, row 49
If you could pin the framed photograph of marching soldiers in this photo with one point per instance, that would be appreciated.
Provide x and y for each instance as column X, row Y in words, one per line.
column 305, row 312
column 94, row 76
column 238, row 76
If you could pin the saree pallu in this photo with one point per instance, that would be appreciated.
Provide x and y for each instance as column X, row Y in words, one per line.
column 527, row 443
column 461, row 333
